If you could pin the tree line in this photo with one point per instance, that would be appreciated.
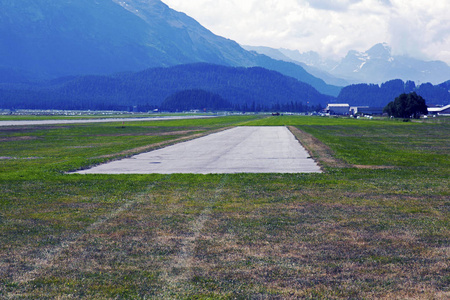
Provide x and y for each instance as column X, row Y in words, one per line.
column 246, row 89
column 242, row 87
column 375, row 95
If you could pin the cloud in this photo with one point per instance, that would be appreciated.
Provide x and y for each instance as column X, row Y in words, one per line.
column 419, row 30
column 334, row 5
column 330, row 27
column 385, row 2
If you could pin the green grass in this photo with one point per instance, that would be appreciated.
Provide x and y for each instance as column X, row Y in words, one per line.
column 325, row 121
column 394, row 145
column 349, row 233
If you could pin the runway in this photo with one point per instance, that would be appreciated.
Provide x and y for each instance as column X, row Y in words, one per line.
column 237, row 150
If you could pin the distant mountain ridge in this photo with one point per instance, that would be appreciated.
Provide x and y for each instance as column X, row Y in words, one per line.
column 48, row 39
column 376, row 65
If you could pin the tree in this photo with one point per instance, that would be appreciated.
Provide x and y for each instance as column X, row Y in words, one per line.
column 407, row 106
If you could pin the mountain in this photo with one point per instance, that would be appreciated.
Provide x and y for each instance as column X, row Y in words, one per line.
column 242, row 87
column 56, row 38
column 307, row 61
column 445, row 85
column 44, row 39
column 270, row 52
column 182, row 37
column 59, row 38
column 311, row 58
column 376, row 65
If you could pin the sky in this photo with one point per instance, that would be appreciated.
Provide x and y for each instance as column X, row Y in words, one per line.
column 418, row 28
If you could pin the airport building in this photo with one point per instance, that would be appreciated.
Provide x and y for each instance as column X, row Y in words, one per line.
column 338, row 109
column 439, row 110
column 365, row 110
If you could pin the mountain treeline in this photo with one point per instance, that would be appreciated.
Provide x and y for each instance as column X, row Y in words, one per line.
column 375, row 95
column 243, row 87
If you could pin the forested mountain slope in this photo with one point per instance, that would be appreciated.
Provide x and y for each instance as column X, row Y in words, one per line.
column 43, row 39
column 149, row 88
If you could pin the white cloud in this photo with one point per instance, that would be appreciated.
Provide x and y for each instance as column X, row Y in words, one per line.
column 336, row 5
column 420, row 30
column 330, row 27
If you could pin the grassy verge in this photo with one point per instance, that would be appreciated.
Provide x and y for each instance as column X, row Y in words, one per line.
column 356, row 231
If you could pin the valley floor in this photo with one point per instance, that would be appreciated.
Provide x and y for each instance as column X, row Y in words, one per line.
column 374, row 224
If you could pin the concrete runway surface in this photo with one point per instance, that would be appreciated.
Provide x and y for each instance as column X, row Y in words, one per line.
column 237, row 150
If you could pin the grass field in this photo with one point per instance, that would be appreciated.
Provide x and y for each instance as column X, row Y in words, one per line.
column 374, row 225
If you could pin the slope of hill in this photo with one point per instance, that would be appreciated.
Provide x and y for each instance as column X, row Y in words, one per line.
column 147, row 89
column 445, row 85
column 49, row 39
column 57, row 38
column 193, row 42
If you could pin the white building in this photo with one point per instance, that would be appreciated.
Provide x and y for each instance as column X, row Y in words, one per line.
column 439, row 110
column 366, row 110
column 338, row 109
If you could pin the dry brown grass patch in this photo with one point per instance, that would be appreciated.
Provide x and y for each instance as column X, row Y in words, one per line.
column 18, row 138
column 181, row 132
column 373, row 167
column 318, row 150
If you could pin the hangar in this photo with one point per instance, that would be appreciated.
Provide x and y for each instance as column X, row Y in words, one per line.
column 366, row 110
column 439, row 110
column 338, row 109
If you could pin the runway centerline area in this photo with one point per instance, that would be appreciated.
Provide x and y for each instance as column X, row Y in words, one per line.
column 237, row 150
